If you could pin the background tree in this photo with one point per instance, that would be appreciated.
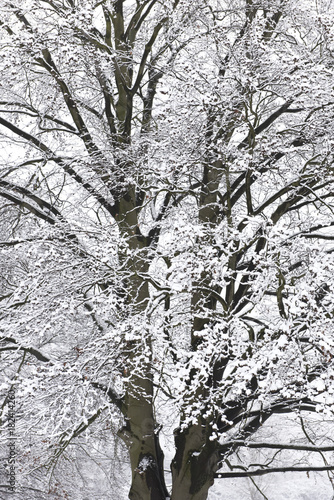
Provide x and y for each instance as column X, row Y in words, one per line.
column 167, row 205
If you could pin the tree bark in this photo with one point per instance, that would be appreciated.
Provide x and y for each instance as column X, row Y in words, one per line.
column 140, row 430
column 195, row 463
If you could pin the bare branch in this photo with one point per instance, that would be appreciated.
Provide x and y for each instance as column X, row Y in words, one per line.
column 279, row 446
column 262, row 472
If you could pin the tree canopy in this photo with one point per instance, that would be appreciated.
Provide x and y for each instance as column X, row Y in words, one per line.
column 166, row 243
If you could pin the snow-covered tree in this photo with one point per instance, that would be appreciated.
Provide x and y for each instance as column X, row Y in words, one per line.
column 166, row 187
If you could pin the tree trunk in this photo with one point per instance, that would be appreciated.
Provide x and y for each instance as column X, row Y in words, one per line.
column 140, row 430
column 140, row 435
column 194, row 464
